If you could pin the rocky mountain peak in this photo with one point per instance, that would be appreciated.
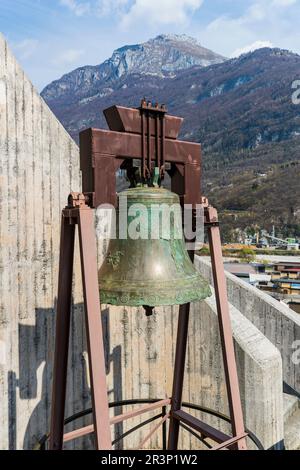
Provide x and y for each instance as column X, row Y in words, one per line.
column 176, row 39
column 162, row 56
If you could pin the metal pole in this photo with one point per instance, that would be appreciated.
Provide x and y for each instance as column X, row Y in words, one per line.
column 164, row 429
column 181, row 343
column 88, row 251
column 179, row 366
column 231, row 376
column 63, row 314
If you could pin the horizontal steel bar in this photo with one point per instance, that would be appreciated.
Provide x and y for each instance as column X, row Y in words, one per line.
column 123, row 119
column 70, row 436
column 143, row 409
column 123, row 145
column 116, row 419
column 201, row 427
column 231, row 441
column 114, row 404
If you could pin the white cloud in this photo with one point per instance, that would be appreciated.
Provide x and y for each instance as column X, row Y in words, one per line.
column 267, row 21
column 256, row 12
column 100, row 8
column 78, row 8
column 108, row 7
column 284, row 3
column 160, row 12
column 26, row 48
column 251, row 47
column 68, row 57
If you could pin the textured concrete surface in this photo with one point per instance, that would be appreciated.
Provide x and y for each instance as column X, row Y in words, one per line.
column 292, row 432
column 259, row 370
column 276, row 321
column 38, row 167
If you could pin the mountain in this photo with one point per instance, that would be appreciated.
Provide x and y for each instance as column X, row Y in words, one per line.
column 162, row 56
column 241, row 111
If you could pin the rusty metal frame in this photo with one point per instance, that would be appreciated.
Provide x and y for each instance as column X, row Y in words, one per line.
column 117, row 419
column 102, row 153
column 44, row 440
column 79, row 213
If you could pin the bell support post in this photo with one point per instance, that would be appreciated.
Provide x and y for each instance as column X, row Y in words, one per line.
column 178, row 375
column 231, row 377
column 79, row 213
column 63, row 312
column 88, row 252
column 148, row 135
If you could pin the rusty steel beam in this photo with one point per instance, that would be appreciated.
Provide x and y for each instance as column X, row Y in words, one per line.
column 89, row 269
column 123, row 119
column 178, row 374
column 117, row 419
column 103, row 152
column 201, row 427
column 70, row 436
column 140, row 411
column 230, row 368
column 63, row 318
column 226, row 444
column 129, row 146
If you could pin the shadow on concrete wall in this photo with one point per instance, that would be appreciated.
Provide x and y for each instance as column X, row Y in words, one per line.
column 33, row 343
column 113, row 364
column 36, row 350
column 12, row 409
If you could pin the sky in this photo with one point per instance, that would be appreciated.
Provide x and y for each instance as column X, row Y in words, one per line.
column 53, row 37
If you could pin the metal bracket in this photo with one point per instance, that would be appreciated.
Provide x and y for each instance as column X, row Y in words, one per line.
column 156, row 113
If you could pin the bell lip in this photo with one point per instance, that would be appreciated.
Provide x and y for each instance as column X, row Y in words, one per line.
column 163, row 297
column 161, row 304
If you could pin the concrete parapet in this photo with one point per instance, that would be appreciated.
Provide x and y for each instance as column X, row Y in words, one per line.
column 259, row 370
column 276, row 321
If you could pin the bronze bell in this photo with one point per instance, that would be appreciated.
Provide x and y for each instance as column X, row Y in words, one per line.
column 151, row 267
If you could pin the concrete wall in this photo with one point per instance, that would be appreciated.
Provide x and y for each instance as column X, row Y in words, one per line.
column 39, row 165
column 276, row 321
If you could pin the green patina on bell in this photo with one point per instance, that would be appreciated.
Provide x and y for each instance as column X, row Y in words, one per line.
column 155, row 269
